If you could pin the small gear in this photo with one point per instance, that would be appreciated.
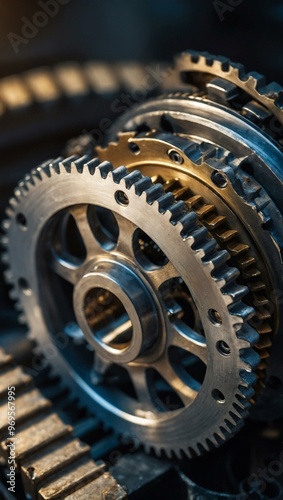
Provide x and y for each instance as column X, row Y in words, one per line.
column 228, row 83
column 133, row 303
column 227, row 125
column 154, row 151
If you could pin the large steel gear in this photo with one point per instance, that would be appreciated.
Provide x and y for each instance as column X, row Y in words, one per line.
column 153, row 288
column 218, row 132
column 142, row 312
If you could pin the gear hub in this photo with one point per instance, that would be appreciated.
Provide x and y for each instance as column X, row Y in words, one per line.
column 160, row 269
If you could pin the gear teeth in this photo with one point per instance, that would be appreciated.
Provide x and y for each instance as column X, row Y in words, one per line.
column 264, row 342
column 22, row 319
column 204, row 210
column 17, row 195
column 219, row 259
column 227, row 235
column 251, row 358
column 248, row 379
column 46, row 167
column 8, row 276
column 153, row 193
column 6, row 224
column 193, row 201
column 79, row 164
column 236, row 292
column 188, row 222
column 119, row 173
column 177, row 210
column 240, row 411
column 142, row 185
column 104, row 169
column 208, row 248
column 132, row 178
column 67, row 163
column 5, row 258
column 242, row 311
column 261, row 202
column 13, row 294
column 248, row 335
column 4, row 240
column 237, row 248
column 93, row 164
column 228, row 275
column 199, row 236
column 165, row 202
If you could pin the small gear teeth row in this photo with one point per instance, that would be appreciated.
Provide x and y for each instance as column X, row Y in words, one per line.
column 54, row 443
column 215, row 260
column 229, row 239
column 266, row 100
column 271, row 93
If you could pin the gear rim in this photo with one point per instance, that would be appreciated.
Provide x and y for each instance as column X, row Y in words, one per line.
column 247, row 359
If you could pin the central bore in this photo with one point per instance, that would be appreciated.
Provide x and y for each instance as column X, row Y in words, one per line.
column 116, row 311
column 108, row 319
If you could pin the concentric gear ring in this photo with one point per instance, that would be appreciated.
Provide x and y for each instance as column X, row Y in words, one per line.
column 234, row 121
column 201, row 67
column 214, row 410
column 185, row 175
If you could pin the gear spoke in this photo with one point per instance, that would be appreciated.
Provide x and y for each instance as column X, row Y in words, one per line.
column 185, row 393
column 163, row 274
column 63, row 268
column 125, row 239
column 79, row 214
column 140, row 383
column 99, row 368
column 181, row 335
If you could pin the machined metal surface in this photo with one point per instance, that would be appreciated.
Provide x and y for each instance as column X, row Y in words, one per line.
column 124, row 287
column 153, row 286
column 52, row 463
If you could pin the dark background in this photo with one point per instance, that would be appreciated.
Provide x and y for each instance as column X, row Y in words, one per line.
column 148, row 29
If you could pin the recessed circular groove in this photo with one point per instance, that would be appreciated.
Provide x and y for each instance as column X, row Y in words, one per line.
column 21, row 221
column 122, row 198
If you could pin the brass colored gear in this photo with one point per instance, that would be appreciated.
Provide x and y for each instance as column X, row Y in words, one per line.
column 143, row 151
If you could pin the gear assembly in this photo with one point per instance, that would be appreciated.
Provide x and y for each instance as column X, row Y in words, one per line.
column 157, row 258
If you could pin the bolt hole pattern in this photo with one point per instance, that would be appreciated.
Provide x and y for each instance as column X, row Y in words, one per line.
column 215, row 317
column 218, row 396
column 122, row 198
column 223, row 348
column 134, row 148
column 24, row 286
column 219, row 179
column 175, row 156
column 21, row 221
